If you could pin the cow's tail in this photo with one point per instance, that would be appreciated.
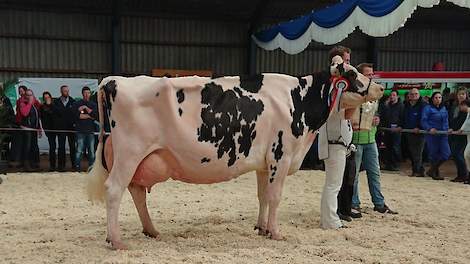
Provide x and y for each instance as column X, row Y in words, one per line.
column 98, row 174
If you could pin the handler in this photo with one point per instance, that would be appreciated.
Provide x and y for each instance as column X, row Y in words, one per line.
column 334, row 144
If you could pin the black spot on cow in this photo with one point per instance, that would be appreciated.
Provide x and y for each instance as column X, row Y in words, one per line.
column 216, row 76
column 311, row 110
column 157, row 94
column 180, row 96
column 180, row 111
column 110, row 91
column 278, row 152
column 252, row 83
column 205, row 159
column 113, row 124
column 228, row 117
column 273, row 173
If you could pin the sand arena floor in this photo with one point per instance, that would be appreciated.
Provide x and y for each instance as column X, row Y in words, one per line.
column 46, row 218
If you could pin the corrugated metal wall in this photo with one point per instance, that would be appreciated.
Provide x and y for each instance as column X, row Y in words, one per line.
column 417, row 49
column 183, row 44
column 53, row 44
column 314, row 58
column 79, row 45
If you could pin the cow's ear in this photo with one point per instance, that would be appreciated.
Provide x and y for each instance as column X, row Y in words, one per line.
column 337, row 70
column 336, row 61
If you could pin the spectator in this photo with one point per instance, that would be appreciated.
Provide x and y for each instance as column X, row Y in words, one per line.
column 412, row 120
column 85, row 112
column 447, row 97
column 367, row 154
column 7, row 120
column 64, row 121
column 16, row 144
column 27, row 117
column 35, row 145
column 458, row 142
column 465, row 107
column 435, row 118
column 391, row 118
column 48, row 123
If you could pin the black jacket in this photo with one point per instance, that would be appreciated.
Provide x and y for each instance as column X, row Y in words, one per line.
column 456, row 118
column 64, row 116
column 48, row 116
column 392, row 114
column 85, row 125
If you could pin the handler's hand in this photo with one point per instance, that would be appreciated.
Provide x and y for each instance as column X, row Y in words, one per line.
column 375, row 121
column 416, row 130
column 433, row 131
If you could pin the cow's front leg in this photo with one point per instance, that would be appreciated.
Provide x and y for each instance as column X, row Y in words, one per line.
column 262, row 225
column 277, row 174
column 140, row 200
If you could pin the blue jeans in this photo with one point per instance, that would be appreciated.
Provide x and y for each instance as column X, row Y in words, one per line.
column 85, row 141
column 368, row 155
column 457, row 147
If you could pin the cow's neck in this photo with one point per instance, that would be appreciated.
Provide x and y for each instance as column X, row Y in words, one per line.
column 313, row 106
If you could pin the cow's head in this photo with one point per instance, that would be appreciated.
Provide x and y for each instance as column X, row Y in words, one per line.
column 356, row 88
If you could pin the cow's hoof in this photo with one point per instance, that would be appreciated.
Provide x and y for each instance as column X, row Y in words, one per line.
column 118, row 245
column 261, row 231
column 152, row 234
column 276, row 236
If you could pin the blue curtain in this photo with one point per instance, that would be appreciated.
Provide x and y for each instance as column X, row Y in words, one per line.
column 328, row 17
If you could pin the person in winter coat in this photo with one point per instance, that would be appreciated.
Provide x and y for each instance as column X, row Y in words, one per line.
column 435, row 118
column 65, row 119
column 48, row 113
column 412, row 120
column 27, row 117
column 391, row 118
column 458, row 142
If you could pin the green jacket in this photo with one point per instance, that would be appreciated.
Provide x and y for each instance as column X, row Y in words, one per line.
column 364, row 137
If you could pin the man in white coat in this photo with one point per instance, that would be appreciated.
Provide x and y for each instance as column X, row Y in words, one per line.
column 334, row 143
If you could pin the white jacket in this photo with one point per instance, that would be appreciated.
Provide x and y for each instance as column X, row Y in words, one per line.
column 336, row 130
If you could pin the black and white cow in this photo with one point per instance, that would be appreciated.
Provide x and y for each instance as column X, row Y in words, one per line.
column 208, row 130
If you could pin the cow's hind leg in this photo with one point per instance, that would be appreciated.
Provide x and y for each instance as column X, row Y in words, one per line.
column 277, row 174
column 114, row 192
column 140, row 200
column 262, row 225
column 119, row 179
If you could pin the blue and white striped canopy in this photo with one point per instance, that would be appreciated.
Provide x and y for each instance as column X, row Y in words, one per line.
column 377, row 18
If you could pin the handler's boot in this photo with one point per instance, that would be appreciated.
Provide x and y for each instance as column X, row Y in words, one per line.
column 432, row 170
column 437, row 175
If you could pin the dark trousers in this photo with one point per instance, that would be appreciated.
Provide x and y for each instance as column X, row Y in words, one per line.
column 23, row 148
column 51, row 138
column 393, row 152
column 347, row 188
column 61, row 152
column 416, row 147
column 457, row 146
column 35, row 151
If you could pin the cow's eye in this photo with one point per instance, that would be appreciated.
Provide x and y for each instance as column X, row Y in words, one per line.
column 359, row 84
